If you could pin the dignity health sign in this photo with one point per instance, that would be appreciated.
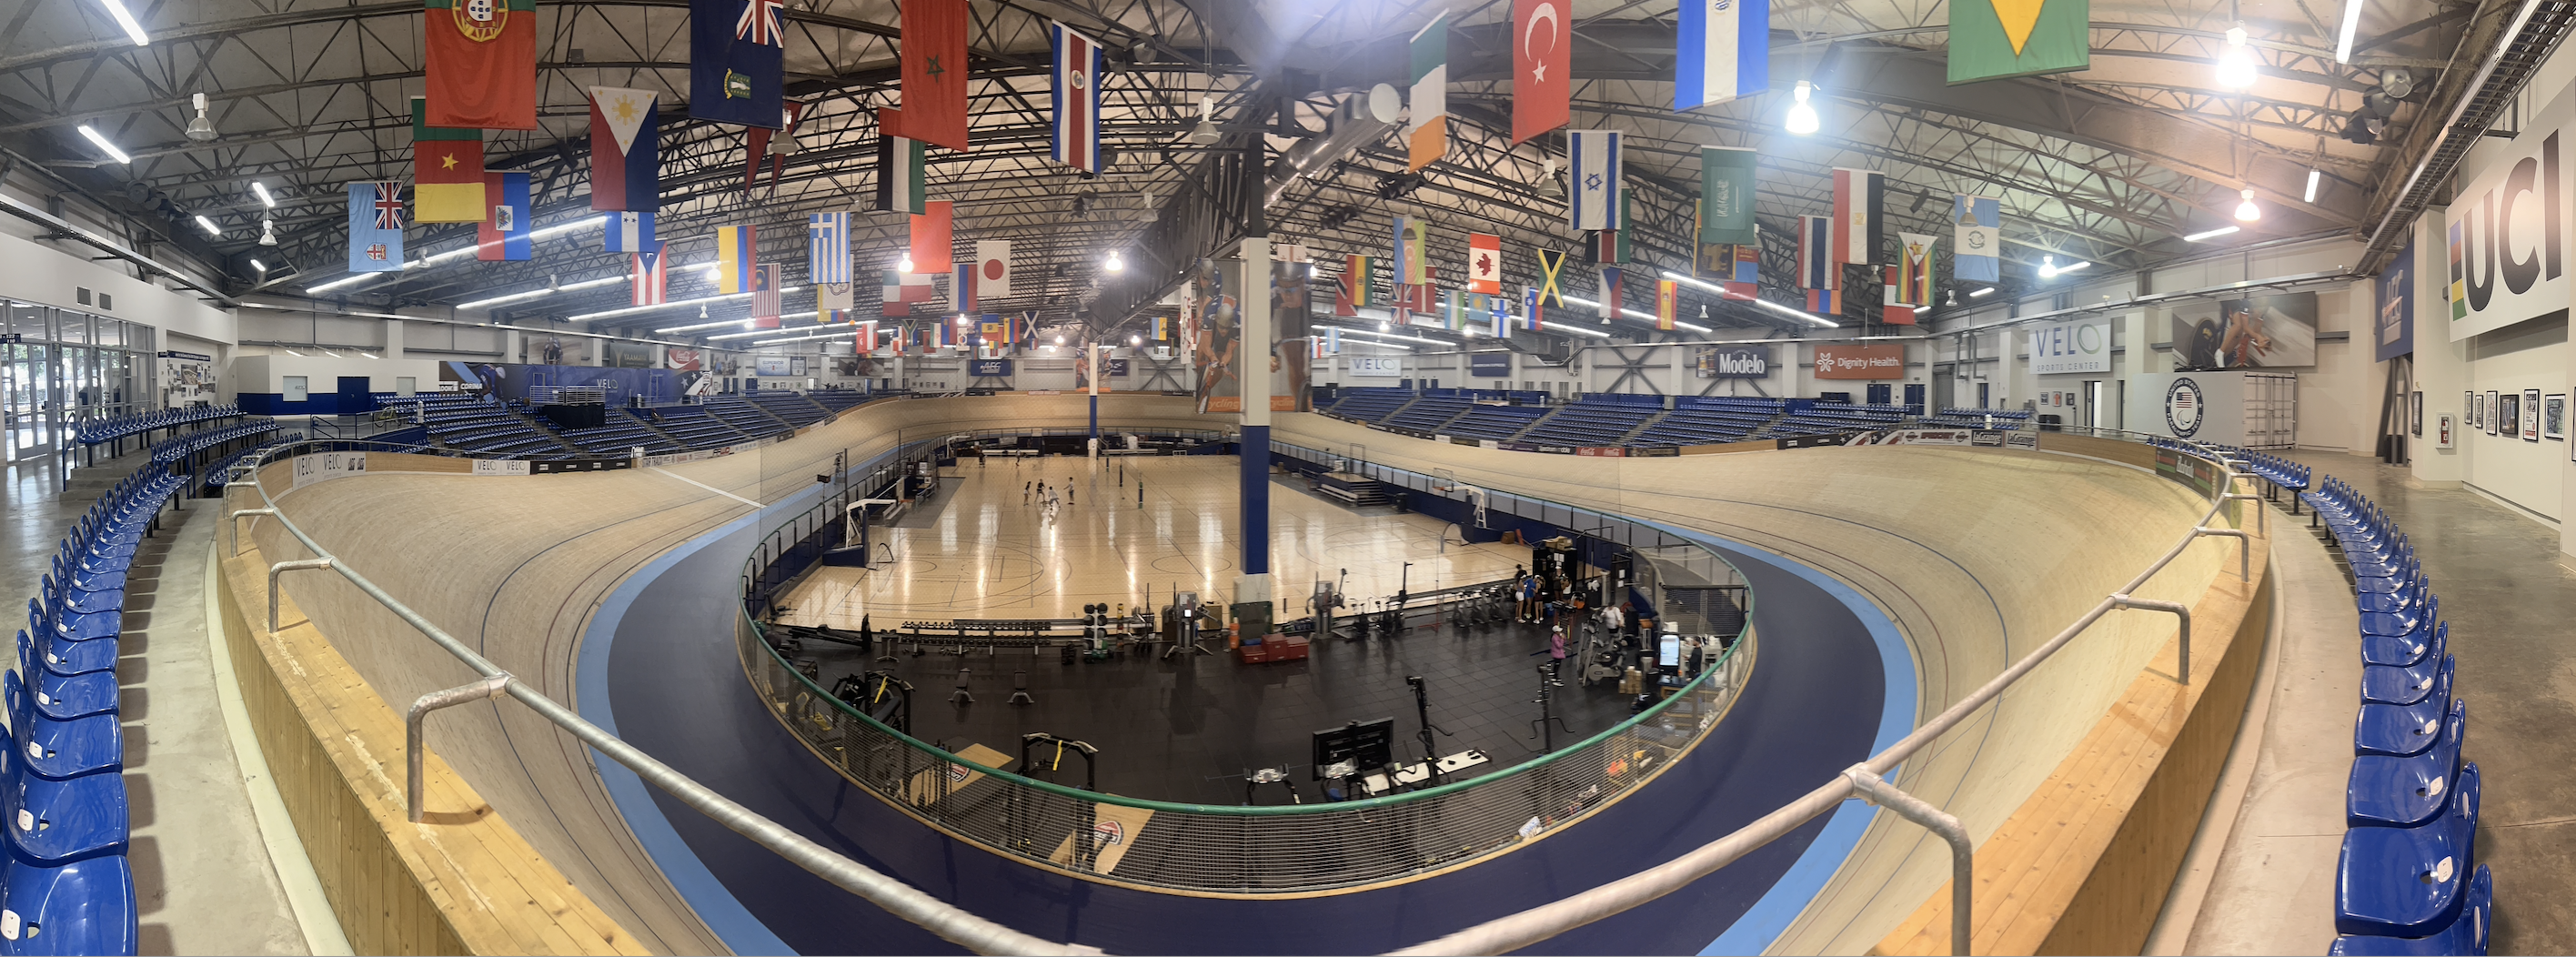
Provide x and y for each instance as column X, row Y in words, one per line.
column 2506, row 233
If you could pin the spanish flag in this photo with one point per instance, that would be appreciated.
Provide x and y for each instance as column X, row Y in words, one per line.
column 447, row 171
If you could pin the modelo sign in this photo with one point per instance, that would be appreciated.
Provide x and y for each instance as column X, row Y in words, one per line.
column 2071, row 347
column 1735, row 362
column 2506, row 233
column 1860, row 361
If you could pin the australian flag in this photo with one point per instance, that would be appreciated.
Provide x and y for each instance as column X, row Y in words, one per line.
column 736, row 56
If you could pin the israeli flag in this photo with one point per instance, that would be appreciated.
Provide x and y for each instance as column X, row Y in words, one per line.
column 1594, row 192
column 630, row 232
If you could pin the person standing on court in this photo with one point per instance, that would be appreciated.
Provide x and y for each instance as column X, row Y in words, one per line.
column 1026, row 491
column 1068, row 490
column 1529, row 598
column 1556, row 656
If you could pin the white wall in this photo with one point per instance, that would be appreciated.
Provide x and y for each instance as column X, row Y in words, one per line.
column 51, row 272
column 267, row 373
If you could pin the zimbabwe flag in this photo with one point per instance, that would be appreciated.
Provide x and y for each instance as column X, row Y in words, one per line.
column 482, row 63
column 447, row 171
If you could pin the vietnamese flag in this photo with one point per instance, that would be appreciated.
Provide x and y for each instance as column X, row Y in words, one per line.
column 447, row 171
column 482, row 63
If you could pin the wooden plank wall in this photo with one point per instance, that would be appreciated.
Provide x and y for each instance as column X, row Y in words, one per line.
column 461, row 882
column 2084, row 865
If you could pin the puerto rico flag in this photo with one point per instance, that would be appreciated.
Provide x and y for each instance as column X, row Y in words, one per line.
column 1076, row 95
column 652, row 277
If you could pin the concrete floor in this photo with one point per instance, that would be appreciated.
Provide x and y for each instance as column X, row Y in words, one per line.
column 206, row 875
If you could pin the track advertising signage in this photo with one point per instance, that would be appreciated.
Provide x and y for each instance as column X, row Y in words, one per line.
column 1860, row 361
column 989, row 368
column 2505, row 235
column 1733, row 362
column 2081, row 346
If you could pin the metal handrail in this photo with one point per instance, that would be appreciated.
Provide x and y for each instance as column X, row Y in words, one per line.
column 1515, row 931
column 950, row 922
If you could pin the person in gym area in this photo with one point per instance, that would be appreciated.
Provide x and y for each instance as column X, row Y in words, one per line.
column 1528, row 591
column 1068, row 490
column 1556, row 656
column 1027, row 490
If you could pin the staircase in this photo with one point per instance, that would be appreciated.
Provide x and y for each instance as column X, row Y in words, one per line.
column 1641, row 428
column 543, row 428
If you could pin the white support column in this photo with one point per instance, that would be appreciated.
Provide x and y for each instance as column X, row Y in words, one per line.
column 393, row 339
column 1252, row 373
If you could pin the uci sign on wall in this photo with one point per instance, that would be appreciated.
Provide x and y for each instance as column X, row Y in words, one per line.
column 2505, row 235
column 2071, row 347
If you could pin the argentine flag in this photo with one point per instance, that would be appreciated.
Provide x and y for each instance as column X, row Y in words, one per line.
column 1725, row 52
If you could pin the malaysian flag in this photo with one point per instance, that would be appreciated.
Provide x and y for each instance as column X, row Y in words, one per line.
column 764, row 296
column 828, row 255
column 652, row 278
column 1076, row 96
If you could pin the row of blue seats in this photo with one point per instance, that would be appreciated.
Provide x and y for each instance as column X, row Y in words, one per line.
column 96, row 431
column 214, row 477
column 2408, row 881
column 2014, row 414
column 67, row 887
column 175, row 450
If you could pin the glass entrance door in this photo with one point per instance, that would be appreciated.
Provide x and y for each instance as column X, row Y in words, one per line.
column 30, row 402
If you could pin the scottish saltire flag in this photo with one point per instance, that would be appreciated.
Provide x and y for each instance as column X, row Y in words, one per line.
column 827, row 255
column 375, row 227
column 1817, row 268
column 1025, row 331
column 652, row 276
column 737, row 250
column 1593, row 197
column 1076, row 96
column 630, row 232
column 1979, row 253
column 1725, row 48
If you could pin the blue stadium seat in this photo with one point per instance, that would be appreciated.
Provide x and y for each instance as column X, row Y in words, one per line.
column 2466, row 935
column 2403, row 729
column 85, row 907
column 2405, row 650
column 57, row 822
column 63, row 697
column 2388, row 791
column 64, row 749
column 2408, row 881
column 69, row 658
column 2389, row 684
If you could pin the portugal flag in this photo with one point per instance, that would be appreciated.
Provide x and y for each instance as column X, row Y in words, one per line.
column 447, row 171
column 482, row 63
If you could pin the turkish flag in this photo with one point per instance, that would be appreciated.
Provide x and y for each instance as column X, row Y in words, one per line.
column 934, row 72
column 1542, row 84
column 1484, row 263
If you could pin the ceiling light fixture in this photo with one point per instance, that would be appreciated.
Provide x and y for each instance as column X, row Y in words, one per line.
column 133, row 29
column 2314, row 175
column 1206, row 134
column 208, row 225
column 2247, row 211
column 1802, row 115
column 105, row 146
column 2047, row 267
column 351, row 279
column 262, row 189
column 1988, row 291
column 256, row 264
column 2236, row 62
column 1114, row 264
column 1808, row 316
column 904, row 265
column 2211, row 233
column 268, row 232
column 201, row 129
column 2343, row 37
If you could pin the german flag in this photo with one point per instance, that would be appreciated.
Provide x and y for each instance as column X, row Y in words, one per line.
column 447, row 171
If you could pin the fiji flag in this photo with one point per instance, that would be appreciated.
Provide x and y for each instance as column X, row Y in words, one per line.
column 630, row 232
column 736, row 57
column 828, row 248
column 375, row 227
column 1725, row 48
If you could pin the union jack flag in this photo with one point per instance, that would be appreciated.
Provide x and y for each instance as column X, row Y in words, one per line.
column 759, row 23
column 388, row 205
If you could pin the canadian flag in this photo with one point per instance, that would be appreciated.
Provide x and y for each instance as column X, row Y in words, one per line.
column 1484, row 263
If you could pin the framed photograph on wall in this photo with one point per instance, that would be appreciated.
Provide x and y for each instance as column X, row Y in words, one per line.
column 2508, row 416
column 2477, row 412
column 2553, row 417
column 2495, row 411
column 2531, row 415
column 2415, row 415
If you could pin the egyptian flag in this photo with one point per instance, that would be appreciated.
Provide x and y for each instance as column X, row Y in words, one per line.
column 934, row 75
column 736, row 61
column 652, row 276
column 757, row 146
column 625, row 150
column 1860, row 220
column 482, row 63
column 764, row 296
column 737, row 250
column 1817, row 269
column 1076, row 96
column 933, row 243
column 447, row 171
column 506, row 234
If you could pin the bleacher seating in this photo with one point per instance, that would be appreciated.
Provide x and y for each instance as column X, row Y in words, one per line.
column 792, row 407
column 744, row 415
column 1979, row 419
column 693, row 426
column 1370, row 403
column 95, row 431
column 1427, row 413
column 212, row 478
column 1494, row 422
column 1598, row 419
column 2408, row 880
column 67, row 887
column 180, row 448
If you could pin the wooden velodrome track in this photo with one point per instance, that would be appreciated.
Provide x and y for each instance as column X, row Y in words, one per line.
column 1977, row 555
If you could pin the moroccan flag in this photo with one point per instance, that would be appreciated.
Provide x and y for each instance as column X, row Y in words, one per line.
column 375, row 227
column 1993, row 39
column 1484, row 263
column 1860, row 215
column 1551, row 277
column 1542, row 68
column 736, row 61
column 1429, row 135
column 933, row 243
column 506, row 234
column 1075, row 94
column 447, row 171
column 900, row 182
column 764, row 296
column 482, row 63
column 934, row 74
column 1668, row 302
column 625, row 150
column 737, row 251
column 1726, row 194
column 652, row 276
column 1724, row 52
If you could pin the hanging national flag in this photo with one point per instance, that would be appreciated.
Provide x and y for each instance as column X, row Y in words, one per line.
column 1860, row 215
column 1551, row 278
column 1542, row 74
column 1914, row 271
column 1409, row 267
column 867, row 338
column 1533, row 311
column 375, row 227
column 1332, row 340
column 1725, row 52
column 628, row 232
column 1817, row 268
column 903, row 287
column 1612, row 296
column 1026, row 335
column 1453, row 310
column 1428, row 137
column 447, row 171
column 1746, row 282
column 1484, row 263
column 1076, row 97
column 961, row 287
column 651, row 277
column 1595, row 171
column 737, row 249
column 833, row 302
column 1978, row 257
column 1992, row 39
column 1725, row 188
column 1825, row 302
column 764, row 296
column 992, row 269
column 827, row 247
column 993, row 332
column 933, row 245
column 900, row 183
column 756, row 152
column 1607, row 246
column 1357, row 274
column 934, row 75
column 482, row 63
column 1498, row 310
column 1162, row 328
column 1668, row 303
column 505, row 235
column 1893, row 309
column 625, row 145
column 736, row 56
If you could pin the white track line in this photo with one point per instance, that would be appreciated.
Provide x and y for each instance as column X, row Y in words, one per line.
column 710, row 488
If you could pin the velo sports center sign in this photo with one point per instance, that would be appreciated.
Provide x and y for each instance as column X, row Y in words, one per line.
column 2071, row 347
column 2505, row 236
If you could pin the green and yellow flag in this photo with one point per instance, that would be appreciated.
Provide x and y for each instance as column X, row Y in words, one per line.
column 447, row 171
column 1994, row 39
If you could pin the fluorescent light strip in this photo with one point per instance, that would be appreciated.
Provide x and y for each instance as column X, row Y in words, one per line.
column 631, row 310
column 1577, row 330
column 2210, row 234
column 208, row 225
column 101, row 142
column 850, row 333
column 760, row 332
column 1390, row 335
column 1989, row 290
column 262, row 189
column 2078, row 267
column 539, row 293
column 702, row 325
column 1634, row 314
column 2313, row 176
column 349, row 279
column 2343, row 37
column 1808, row 316
column 134, row 29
